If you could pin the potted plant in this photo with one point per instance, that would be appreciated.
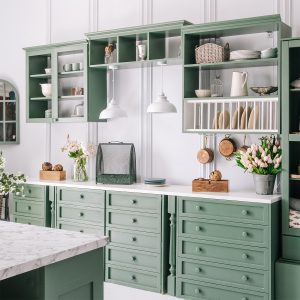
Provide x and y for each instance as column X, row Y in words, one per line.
column 9, row 183
column 263, row 161
column 80, row 154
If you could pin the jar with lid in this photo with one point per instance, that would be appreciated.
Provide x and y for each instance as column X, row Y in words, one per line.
column 216, row 88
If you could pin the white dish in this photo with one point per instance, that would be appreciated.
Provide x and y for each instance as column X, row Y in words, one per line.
column 296, row 83
column 254, row 118
column 245, row 117
column 202, row 93
column 236, row 118
column 46, row 89
column 244, row 54
column 215, row 124
column 224, row 119
column 48, row 70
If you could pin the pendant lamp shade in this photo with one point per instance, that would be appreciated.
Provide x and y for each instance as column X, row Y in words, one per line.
column 161, row 104
column 113, row 110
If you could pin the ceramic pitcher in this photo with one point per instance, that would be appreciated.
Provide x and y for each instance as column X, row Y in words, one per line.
column 239, row 84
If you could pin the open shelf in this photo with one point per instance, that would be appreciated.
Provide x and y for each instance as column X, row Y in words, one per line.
column 295, row 90
column 71, row 97
column 71, row 73
column 40, row 76
column 40, row 99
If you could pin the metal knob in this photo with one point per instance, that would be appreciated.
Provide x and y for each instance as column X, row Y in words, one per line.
column 198, row 249
column 29, row 223
column 244, row 298
column 81, row 196
column 198, row 207
column 198, row 291
column 198, row 270
column 244, row 277
column 133, row 277
column 133, row 201
column 29, row 191
column 244, row 255
column 244, row 212
column 81, row 214
column 244, row 234
column 198, row 228
column 133, row 239
column 134, row 220
column 29, row 207
column 81, row 230
column 133, row 258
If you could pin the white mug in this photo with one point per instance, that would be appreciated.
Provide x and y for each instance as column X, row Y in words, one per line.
column 239, row 84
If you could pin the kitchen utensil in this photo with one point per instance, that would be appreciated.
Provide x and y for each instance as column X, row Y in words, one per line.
column 224, row 119
column 296, row 83
column 244, row 147
column 75, row 66
column 67, row 67
column 254, row 118
column 48, row 70
column 215, row 124
column 239, row 84
column 201, row 93
column 79, row 110
column 205, row 155
column 245, row 117
column 264, row 90
column 227, row 147
column 244, row 54
column 236, row 118
column 46, row 89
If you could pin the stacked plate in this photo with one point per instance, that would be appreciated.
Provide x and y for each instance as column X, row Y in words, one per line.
column 244, row 54
column 155, row 181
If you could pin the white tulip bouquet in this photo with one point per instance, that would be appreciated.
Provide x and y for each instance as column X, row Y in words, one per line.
column 263, row 159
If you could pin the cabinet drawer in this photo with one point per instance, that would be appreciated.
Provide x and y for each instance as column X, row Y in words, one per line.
column 81, row 214
column 35, row 192
column 224, row 253
column 192, row 290
column 28, row 220
column 137, row 240
column 229, row 210
column 31, row 208
column 133, row 201
column 135, row 221
column 134, row 259
column 232, row 276
column 222, row 231
column 137, row 279
column 82, row 196
column 97, row 230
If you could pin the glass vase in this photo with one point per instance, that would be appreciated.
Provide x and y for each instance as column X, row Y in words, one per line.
column 79, row 171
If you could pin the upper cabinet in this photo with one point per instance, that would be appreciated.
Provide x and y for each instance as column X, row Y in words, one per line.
column 224, row 66
column 60, row 87
column 9, row 113
column 136, row 46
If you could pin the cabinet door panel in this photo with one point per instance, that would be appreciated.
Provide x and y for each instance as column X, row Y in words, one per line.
column 32, row 208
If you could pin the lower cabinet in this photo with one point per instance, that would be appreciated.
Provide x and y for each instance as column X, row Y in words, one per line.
column 33, row 207
column 227, row 252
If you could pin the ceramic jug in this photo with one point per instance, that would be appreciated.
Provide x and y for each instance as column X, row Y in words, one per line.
column 239, row 84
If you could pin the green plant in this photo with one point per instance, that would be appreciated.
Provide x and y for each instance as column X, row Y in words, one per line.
column 261, row 159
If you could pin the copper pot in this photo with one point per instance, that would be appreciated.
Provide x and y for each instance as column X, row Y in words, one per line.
column 227, row 147
column 205, row 155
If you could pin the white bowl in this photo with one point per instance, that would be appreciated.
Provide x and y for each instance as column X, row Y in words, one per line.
column 46, row 89
column 296, row 83
column 202, row 93
column 48, row 70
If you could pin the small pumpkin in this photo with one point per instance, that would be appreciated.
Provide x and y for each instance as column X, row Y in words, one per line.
column 215, row 175
column 47, row 166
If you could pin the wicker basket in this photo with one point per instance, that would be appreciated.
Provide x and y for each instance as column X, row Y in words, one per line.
column 211, row 53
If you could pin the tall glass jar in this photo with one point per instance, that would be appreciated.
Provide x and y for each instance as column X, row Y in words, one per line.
column 80, row 170
column 216, row 88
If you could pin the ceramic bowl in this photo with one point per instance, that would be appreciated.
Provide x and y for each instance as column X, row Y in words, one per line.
column 48, row 70
column 46, row 89
column 264, row 90
column 269, row 53
column 202, row 93
column 296, row 83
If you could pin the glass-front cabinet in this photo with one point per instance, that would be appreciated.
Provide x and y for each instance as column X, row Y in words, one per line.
column 9, row 113
column 57, row 84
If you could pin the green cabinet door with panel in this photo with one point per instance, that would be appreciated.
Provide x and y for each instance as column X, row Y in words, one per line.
column 33, row 207
column 73, row 93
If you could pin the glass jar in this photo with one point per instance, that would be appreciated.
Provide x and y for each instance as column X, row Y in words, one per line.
column 79, row 170
column 216, row 88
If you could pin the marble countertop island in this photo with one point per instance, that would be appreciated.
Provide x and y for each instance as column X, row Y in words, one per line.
column 27, row 247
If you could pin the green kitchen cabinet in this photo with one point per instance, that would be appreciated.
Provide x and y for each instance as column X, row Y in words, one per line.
column 33, row 207
column 200, row 114
column 231, row 246
column 137, row 226
column 69, row 88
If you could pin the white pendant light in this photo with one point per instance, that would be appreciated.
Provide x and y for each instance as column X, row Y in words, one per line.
column 161, row 104
column 113, row 110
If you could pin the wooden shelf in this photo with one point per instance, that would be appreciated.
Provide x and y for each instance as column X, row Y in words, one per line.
column 236, row 64
column 41, row 76
column 71, row 74
column 40, row 99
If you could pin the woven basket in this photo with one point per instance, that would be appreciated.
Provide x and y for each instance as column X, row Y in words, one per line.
column 211, row 53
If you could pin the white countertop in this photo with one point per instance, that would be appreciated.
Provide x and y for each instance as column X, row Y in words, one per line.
column 28, row 247
column 171, row 190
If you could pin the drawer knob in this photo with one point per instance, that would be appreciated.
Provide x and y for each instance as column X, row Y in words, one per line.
column 133, row 277
column 198, row 207
column 29, row 223
column 81, row 214
column 29, row 191
column 29, row 207
column 133, row 258
column 244, row 298
column 134, row 201
column 81, row 196
column 244, row 234
column 81, row 230
column 198, row 228
column 134, row 220
column 244, row 212
column 244, row 277
column 133, row 239
column 198, row 291
column 198, row 249
column 244, row 255
column 198, row 270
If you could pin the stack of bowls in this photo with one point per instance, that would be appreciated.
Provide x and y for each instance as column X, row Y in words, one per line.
column 155, row 181
column 269, row 53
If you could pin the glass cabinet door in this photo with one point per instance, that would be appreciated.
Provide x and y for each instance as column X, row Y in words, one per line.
column 70, row 90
